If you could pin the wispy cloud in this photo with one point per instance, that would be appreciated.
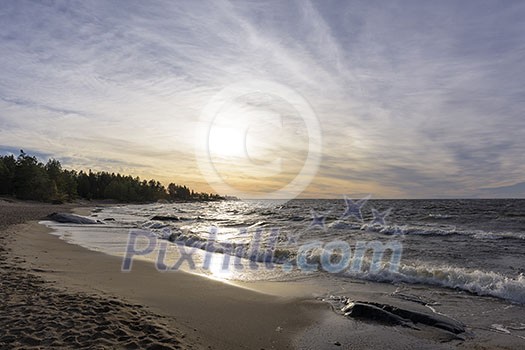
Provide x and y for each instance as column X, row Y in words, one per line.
column 415, row 99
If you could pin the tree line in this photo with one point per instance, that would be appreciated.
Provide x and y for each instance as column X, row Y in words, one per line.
column 27, row 178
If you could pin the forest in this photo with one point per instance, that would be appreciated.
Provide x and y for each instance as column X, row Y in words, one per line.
column 25, row 177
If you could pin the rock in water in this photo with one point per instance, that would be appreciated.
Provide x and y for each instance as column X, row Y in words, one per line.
column 71, row 219
column 165, row 218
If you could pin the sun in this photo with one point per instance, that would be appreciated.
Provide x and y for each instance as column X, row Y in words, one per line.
column 227, row 142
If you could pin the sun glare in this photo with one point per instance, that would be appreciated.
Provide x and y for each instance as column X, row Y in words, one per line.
column 227, row 142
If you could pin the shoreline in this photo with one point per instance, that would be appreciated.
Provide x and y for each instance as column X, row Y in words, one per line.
column 209, row 313
column 64, row 295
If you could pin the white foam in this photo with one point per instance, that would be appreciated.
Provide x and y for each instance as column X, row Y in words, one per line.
column 474, row 281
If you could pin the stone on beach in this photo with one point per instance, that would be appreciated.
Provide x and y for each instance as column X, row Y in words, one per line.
column 72, row 219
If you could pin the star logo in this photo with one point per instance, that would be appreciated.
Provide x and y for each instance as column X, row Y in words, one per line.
column 292, row 239
column 379, row 218
column 353, row 208
column 317, row 220
column 400, row 231
column 378, row 223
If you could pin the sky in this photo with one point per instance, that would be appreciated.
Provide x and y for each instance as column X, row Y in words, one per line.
column 398, row 99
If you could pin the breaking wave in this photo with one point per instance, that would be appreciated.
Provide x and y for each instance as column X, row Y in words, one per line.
column 472, row 281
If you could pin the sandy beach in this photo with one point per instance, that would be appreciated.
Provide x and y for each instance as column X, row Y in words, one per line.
column 313, row 175
column 60, row 295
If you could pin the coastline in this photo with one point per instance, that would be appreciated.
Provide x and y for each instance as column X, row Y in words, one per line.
column 63, row 295
column 202, row 312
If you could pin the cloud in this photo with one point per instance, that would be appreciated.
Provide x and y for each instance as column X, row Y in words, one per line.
column 414, row 99
column 505, row 191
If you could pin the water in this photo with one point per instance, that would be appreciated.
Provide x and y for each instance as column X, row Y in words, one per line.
column 474, row 246
column 462, row 259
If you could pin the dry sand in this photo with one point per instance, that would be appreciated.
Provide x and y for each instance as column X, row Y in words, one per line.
column 35, row 313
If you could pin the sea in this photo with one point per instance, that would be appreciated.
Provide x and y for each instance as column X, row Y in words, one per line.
column 460, row 257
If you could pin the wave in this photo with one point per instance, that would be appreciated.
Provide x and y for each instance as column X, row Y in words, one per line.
column 472, row 281
column 411, row 230
column 438, row 231
column 441, row 216
column 341, row 225
column 243, row 250
column 394, row 229
column 257, row 224
column 499, row 235
column 153, row 225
